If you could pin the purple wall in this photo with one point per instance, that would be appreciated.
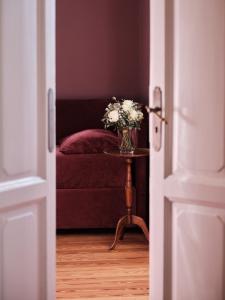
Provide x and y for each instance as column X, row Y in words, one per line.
column 102, row 49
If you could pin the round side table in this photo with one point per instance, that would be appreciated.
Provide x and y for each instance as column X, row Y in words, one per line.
column 129, row 219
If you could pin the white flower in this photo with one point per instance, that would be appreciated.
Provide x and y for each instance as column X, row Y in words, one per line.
column 133, row 115
column 123, row 113
column 113, row 116
column 140, row 116
column 127, row 105
column 116, row 105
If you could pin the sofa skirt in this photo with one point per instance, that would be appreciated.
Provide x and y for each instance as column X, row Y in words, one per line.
column 90, row 208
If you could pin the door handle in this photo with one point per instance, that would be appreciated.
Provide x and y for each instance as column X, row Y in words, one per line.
column 155, row 111
column 157, row 119
column 51, row 120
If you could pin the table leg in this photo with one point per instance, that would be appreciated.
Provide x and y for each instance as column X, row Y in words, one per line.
column 122, row 233
column 129, row 218
column 119, row 229
column 129, row 190
column 141, row 223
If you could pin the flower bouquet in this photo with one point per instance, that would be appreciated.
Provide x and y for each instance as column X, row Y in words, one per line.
column 125, row 116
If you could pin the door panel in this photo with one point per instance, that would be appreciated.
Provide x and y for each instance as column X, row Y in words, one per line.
column 199, row 90
column 27, row 169
column 21, row 252
column 198, row 252
column 19, row 61
column 187, row 201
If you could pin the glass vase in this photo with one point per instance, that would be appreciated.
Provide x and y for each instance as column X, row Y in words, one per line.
column 127, row 140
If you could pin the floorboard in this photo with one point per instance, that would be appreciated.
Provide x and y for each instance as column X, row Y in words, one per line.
column 86, row 269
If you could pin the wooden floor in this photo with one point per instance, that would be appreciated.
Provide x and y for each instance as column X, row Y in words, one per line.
column 86, row 269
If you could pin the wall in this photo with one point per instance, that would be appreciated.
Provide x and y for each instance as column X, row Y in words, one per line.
column 102, row 49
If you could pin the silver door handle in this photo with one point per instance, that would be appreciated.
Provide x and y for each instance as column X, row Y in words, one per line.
column 51, row 120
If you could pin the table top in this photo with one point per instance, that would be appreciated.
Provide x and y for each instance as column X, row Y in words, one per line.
column 139, row 152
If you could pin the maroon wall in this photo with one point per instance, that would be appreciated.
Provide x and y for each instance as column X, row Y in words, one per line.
column 102, row 49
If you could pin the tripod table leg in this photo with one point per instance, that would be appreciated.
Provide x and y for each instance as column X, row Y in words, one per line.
column 141, row 223
column 119, row 229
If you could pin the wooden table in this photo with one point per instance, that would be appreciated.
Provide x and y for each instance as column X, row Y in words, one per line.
column 129, row 219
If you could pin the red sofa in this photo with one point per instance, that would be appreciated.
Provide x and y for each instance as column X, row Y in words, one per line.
column 90, row 187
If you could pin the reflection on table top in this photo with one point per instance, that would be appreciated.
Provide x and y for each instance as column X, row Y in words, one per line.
column 139, row 152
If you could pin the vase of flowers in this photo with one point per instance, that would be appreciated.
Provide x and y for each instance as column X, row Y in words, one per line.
column 125, row 116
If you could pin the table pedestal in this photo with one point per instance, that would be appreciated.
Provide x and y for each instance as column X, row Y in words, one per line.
column 129, row 219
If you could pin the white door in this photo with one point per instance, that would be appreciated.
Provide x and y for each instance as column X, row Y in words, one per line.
column 187, row 211
column 27, row 174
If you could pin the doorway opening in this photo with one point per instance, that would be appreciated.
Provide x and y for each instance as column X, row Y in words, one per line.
column 102, row 50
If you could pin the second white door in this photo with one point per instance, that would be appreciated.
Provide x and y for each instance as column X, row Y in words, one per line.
column 27, row 167
column 188, row 173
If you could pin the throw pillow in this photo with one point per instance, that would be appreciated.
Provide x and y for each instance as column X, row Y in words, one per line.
column 89, row 141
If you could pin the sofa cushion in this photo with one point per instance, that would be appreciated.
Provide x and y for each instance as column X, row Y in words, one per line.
column 89, row 141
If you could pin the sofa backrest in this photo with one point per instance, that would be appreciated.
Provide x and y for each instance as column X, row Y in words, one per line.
column 74, row 115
